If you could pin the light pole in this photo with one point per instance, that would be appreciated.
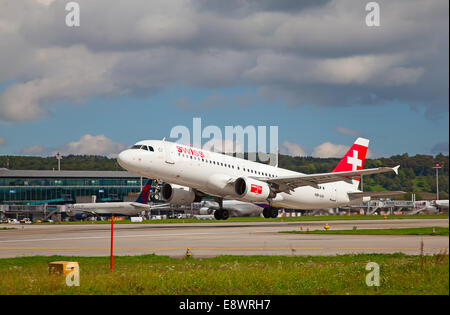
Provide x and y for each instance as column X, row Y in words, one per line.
column 59, row 157
column 437, row 167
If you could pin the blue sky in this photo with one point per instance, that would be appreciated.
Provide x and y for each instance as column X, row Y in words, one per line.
column 392, row 128
column 312, row 68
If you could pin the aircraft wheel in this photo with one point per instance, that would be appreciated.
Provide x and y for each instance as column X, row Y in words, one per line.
column 225, row 214
column 274, row 213
column 267, row 212
column 218, row 214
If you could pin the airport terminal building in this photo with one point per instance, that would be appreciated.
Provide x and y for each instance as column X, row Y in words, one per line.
column 29, row 187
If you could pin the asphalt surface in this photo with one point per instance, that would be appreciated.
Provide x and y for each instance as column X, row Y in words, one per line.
column 212, row 239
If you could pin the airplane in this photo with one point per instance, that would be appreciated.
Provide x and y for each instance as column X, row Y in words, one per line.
column 432, row 205
column 80, row 210
column 195, row 173
column 441, row 204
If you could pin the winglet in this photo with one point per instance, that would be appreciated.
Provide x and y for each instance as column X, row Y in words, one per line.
column 395, row 169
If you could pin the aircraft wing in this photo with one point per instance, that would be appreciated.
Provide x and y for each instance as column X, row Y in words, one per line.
column 355, row 195
column 289, row 183
column 139, row 205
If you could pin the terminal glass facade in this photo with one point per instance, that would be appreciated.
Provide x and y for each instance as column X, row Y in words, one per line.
column 60, row 190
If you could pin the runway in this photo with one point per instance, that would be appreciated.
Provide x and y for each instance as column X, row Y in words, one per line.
column 212, row 239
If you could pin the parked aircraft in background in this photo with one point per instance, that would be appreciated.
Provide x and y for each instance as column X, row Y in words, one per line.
column 234, row 208
column 441, row 204
column 113, row 208
column 196, row 173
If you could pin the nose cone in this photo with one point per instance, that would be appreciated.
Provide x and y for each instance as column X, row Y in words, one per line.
column 124, row 159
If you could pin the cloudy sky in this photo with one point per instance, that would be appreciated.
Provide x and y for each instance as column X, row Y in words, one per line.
column 134, row 69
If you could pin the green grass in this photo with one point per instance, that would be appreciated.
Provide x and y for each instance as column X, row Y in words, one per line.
column 398, row 231
column 260, row 219
column 151, row 274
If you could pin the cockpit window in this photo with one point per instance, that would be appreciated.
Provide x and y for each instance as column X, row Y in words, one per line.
column 143, row 147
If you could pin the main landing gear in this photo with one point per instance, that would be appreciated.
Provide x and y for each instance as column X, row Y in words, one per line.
column 221, row 213
column 270, row 212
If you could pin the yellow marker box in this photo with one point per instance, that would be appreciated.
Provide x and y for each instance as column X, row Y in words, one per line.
column 62, row 267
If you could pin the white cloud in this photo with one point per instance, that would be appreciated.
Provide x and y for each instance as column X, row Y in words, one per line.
column 313, row 52
column 67, row 73
column 35, row 150
column 348, row 132
column 373, row 69
column 87, row 145
column 292, row 149
column 224, row 146
column 93, row 145
column 328, row 149
column 45, row 2
column 331, row 150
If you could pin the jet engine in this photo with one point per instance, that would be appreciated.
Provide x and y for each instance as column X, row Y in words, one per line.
column 179, row 195
column 252, row 190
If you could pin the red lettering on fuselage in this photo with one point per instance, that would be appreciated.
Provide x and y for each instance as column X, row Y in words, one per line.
column 190, row 151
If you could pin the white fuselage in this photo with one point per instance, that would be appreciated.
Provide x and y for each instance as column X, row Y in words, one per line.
column 211, row 172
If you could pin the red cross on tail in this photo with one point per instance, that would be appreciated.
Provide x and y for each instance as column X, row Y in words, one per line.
column 354, row 159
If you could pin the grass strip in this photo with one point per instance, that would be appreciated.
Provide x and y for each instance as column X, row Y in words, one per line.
column 396, row 231
column 260, row 219
column 265, row 275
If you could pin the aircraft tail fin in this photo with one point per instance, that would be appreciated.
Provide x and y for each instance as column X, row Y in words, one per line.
column 145, row 193
column 354, row 159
